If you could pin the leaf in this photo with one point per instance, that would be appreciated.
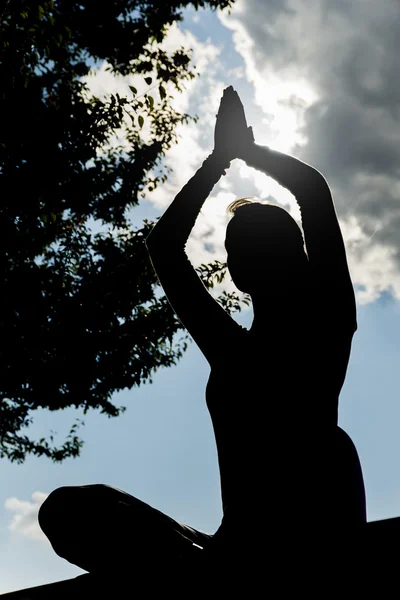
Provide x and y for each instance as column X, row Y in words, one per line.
column 40, row 12
column 162, row 91
column 148, row 80
column 133, row 90
column 151, row 102
column 141, row 121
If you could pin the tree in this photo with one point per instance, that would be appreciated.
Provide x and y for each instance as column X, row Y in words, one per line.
column 81, row 316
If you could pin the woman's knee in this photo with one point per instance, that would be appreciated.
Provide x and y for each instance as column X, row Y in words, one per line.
column 64, row 507
column 50, row 512
column 65, row 519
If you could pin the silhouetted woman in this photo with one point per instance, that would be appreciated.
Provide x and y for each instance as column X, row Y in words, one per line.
column 290, row 478
column 273, row 390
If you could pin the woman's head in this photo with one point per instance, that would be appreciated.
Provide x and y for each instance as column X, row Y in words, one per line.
column 264, row 245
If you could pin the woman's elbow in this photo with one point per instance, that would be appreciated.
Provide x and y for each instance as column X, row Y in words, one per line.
column 319, row 181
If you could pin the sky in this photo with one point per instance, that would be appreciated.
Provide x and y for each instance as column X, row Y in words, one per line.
column 318, row 79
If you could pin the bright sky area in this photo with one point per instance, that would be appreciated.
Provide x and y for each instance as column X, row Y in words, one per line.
column 319, row 79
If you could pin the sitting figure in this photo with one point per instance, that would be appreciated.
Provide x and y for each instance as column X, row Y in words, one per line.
column 290, row 477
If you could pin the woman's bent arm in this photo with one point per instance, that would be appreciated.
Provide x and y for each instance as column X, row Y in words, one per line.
column 177, row 222
column 207, row 322
column 324, row 241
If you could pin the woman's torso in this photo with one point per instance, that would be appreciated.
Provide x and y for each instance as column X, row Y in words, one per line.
column 271, row 398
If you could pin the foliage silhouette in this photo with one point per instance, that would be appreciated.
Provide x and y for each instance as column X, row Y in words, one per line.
column 82, row 313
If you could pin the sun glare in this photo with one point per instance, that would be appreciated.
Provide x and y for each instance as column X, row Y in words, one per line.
column 285, row 103
column 283, row 100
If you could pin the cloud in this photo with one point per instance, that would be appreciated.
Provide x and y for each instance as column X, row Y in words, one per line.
column 201, row 97
column 334, row 67
column 281, row 116
column 319, row 80
column 24, row 520
column 102, row 82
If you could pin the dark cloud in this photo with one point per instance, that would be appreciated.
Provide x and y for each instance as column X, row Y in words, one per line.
column 350, row 54
column 345, row 140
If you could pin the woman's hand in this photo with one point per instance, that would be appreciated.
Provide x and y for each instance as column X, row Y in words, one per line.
column 231, row 136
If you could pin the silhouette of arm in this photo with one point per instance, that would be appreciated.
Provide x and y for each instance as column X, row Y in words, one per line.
column 324, row 241
column 207, row 322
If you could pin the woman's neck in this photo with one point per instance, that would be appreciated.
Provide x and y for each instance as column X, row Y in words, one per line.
column 278, row 306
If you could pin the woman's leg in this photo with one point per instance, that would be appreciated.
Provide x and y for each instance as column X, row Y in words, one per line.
column 98, row 528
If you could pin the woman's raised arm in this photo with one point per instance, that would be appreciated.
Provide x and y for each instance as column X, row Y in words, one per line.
column 207, row 322
column 324, row 241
